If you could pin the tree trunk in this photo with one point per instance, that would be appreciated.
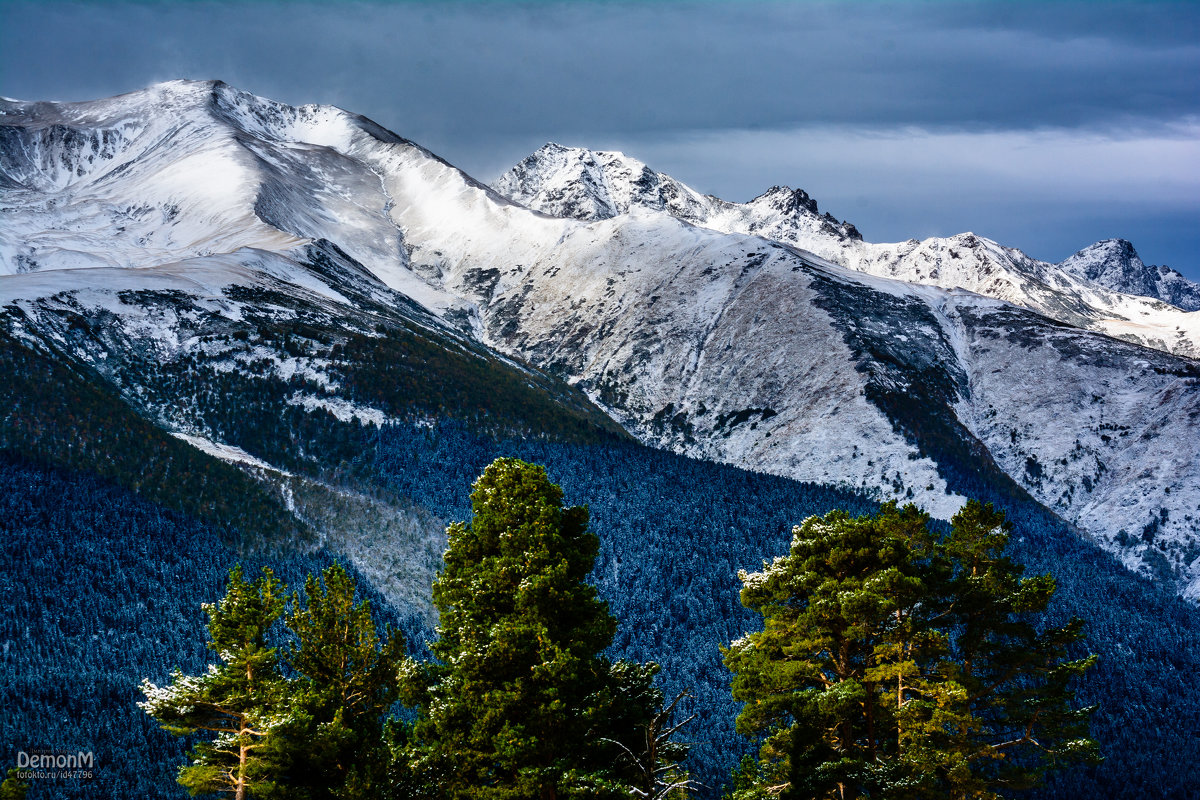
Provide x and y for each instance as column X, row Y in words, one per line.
column 870, row 687
column 239, row 791
column 900, row 685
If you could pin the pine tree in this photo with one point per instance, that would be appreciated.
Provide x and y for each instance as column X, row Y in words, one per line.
column 895, row 664
column 240, row 702
column 322, row 733
column 807, row 676
column 1000, row 710
column 515, row 706
column 13, row 787
column 345, row 685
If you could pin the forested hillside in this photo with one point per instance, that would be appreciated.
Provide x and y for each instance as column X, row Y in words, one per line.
column 101, row 587
column 674, row 531
column 106, row 588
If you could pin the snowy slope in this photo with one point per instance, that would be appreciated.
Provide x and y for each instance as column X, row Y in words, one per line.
column 1104, row 287
column 714, row 343
column 721, row 347
column 648, row 315
column 182, row 170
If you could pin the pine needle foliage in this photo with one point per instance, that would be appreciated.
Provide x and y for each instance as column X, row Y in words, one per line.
column 345, row 685
column 304, row 724
column 521, row 702
column 237, row 703
column 894, row 663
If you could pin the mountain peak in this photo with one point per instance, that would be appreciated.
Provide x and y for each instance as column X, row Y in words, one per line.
column 595, row 184
column 787, row 200
column 1115, row 264
column 1121, row 249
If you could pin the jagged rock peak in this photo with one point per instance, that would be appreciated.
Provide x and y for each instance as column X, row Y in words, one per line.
column 565, row 181
column 791, row 204
column 784, row 198
column 595, row 184
column 1114, row 264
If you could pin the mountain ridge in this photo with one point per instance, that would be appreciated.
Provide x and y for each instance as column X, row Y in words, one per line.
column 385, row 325
column 1099, row 288
column 724, row 346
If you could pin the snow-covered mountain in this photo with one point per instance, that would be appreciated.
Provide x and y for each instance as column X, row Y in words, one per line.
column 595, row 185
column 1104, row 287
column 1114, row 264
column 184, row 224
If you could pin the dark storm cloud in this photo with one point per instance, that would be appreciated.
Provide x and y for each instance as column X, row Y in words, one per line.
column 513, row 68
column 484, row 83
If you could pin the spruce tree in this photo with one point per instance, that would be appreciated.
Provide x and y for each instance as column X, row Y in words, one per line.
column 515, row 705
column 238, row 703
column 893, row 663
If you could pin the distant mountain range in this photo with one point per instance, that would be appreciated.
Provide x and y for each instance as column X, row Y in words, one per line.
column 1091, row 289
column 177, row 224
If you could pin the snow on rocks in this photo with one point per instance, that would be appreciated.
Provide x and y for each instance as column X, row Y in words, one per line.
column 1104, row 287
column 765, row 334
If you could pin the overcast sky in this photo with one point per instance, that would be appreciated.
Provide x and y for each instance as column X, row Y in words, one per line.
column 1044, row 125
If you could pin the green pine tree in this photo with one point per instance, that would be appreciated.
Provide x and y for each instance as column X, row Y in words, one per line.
column 345, row 685
column 239, row 703
column 895, row 665
column 13, row 787
column 806, row 678
column 516, row 705
column 999, row 711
